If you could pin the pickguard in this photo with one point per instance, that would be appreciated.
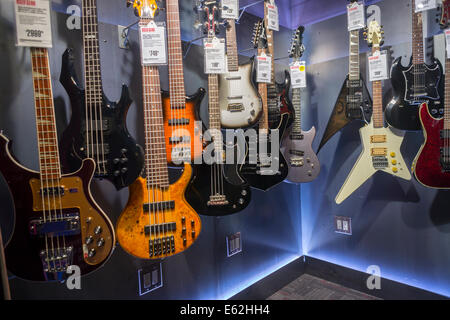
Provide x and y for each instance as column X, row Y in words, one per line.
column 432, row 77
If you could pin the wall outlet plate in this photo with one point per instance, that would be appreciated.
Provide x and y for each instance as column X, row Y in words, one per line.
column 150, row 278
column 343, row 225
column 234, row 244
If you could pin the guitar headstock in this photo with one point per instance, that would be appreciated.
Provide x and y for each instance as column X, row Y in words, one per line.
column 374, row 34
column 210, row 16
column 259, row 35
column 444, row 20
column 297, row 47
column 145, row 8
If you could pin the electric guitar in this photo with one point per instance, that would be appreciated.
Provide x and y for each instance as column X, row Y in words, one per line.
column 415, row 84
column 97, row 127
column 381, row 145
column 157, row 222
column 217, row 189
column 296, row 146
column 431, row 166
column 240, row 104
column 354, row 101
column 265, row 165
column 277, row 93
column 57, row 222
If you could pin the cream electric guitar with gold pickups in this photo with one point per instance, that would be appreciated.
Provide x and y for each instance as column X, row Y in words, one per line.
column 381, row 145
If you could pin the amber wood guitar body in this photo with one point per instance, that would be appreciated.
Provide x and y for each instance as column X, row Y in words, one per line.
column 133, row 220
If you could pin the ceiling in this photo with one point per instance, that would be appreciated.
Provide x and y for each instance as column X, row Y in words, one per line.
column 301, row 12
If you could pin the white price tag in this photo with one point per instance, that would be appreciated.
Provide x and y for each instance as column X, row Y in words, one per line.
column 33, row 23
column 447, row 41
column 153, row 44
column 230, row 9
column 298, row 74
column 378, row 69
column 264, row 69
column 273, row 19
column 423, row 5
column 215, row 56
column 355, row 16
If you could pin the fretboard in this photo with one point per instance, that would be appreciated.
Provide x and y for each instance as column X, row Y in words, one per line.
column 296, row 101
column 155, row 146
column 447, row 95
column 377, row 117
column 353, row 68
column 92, row 71
column 45, row 116
column 176, row 76
column 417, row 36
column 262, row 90
column 270, row 45
column 232, row 52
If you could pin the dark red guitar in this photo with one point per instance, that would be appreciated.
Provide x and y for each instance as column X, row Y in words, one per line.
column 432, row 164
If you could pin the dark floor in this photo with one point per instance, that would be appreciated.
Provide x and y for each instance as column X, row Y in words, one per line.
column 308, row 287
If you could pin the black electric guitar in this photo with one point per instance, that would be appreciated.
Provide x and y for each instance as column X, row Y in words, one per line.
column 415, row 84
column 216, row 189
column 97, row 127
column 57, row 222
column 264, row 169
column 354, row 101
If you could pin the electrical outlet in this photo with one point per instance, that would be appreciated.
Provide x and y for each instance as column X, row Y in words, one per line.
column 343, row 225
column 150, row 278
column 234, row 244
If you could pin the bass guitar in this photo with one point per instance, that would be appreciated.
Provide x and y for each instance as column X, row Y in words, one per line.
column 57, row 222
column 381, row 145
column 270, row 167
column 97, row 127
column 217, row 189
column 431, row 166
column 296, row 146
column 354, row 102
column 415, row 84
column 157, row 222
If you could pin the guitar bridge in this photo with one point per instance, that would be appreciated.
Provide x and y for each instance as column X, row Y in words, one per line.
column 217, row 200
column 55, row 263
column 380, row 162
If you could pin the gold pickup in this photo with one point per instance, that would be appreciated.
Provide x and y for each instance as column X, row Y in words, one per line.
column 379, row 152
column 378, row 138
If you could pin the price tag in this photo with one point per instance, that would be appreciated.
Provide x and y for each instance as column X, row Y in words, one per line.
column 230, row 9
column 153, row 44
column 215, row 55
column 33, row 23
column 298, row 74
column 447, row 41
column 274, row 23
column 423, row 5
column 264, row 69
column 355, row 16
column 378, row 69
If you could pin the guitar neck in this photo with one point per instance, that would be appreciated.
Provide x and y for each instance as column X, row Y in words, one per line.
column 92, row 70
column 45, row 116
column 270, row 46
column 176, row 75
column 417, row 36
column 354, row 72
column 155, row 146
column 232, row 52
column 447, row 95
column 377, row 117
column 296, row 101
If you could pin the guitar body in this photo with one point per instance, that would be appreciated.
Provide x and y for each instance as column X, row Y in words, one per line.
column 254, row 173
column 176, row 147
column 367, row 165
column 427, row 166
column 353, row 104
column 303, row 163
column 133, row 221
column 403, row 111
column 234, row 187
column 123, row 158
column 26, row 252
column 240, row 103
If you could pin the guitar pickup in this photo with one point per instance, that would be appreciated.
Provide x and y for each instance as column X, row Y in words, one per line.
column 378, row 138
column 159, row 206
column 354, row 83
column 297, row 162
column 233, row 78
column 96, row 125
column 68, row 225
column 379, row 152
column 160, row 228
column 297, row 136
column 179, row 122
column 236, row 107
column 297, row 153
column 55, row 191
column 185, row 139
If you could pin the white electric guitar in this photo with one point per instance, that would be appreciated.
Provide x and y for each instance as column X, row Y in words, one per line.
column 381, row 145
